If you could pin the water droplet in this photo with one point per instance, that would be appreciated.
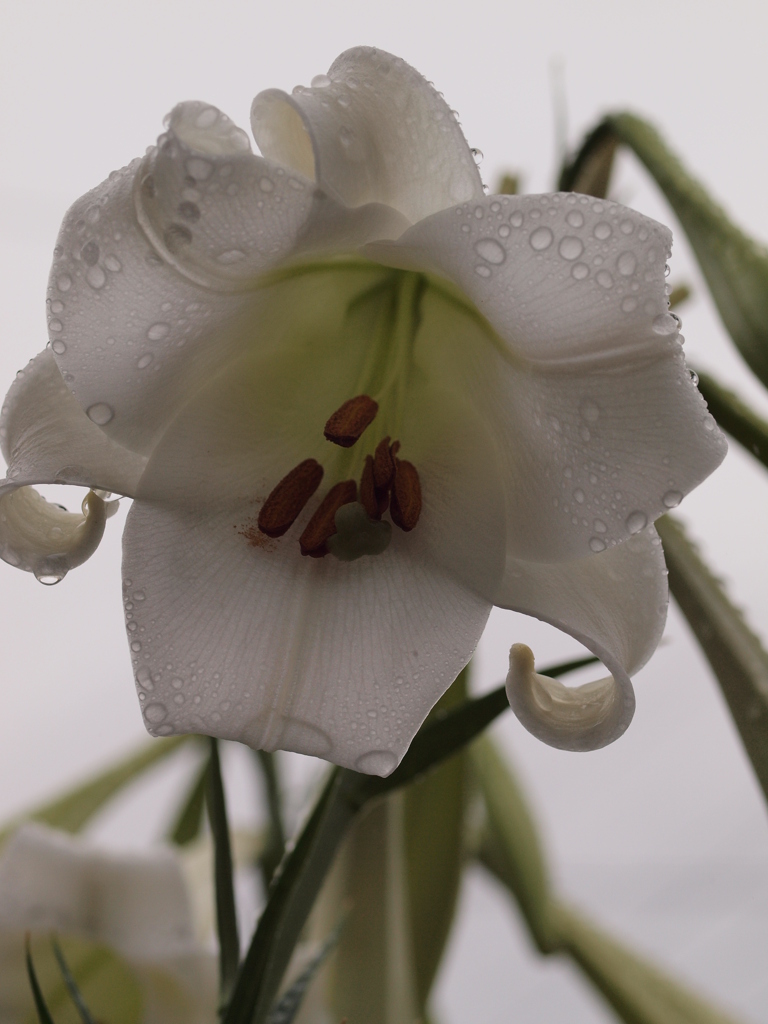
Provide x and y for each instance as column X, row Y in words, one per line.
column 490, row 250
column 578, row 494
column 482, row 270
column 199, row 169
column 600, row 526
column 580, row 271
column 664, row 323
column 57, row 307
column 59, row 347
column 136, row 646
column 266, row 184
column 629, row 304
column 575, row 218
column 144, row 678
column 56, row 326
column 155, row 712
column 145, row 360
column 504, row 230
column 90, row 253
column 50, row 579
column 604, row 279
column 64, row 282
column 541, row 239
column 100, row 413
column 376, row 762
column 139, row 595
column 626, row 264
column 207, row 118
column 158, row 331
column 320, row 82
column 176, row 236
column 603, row 230
column 571, row 247
column 516, row 219
column 189, row 211
column 627, row 227
column 95, row 277
column 636, row 521
column 672, row 499
column 596, row 544
column 694, row 377
column 477, row 155
column 231, row 256
column 589, row 410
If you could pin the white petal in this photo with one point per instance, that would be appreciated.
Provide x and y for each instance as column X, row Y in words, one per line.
column 372, row 130
column 599, row 426
column 47, row 438
column 252, row 642
column 614, row 603
column 43, row 538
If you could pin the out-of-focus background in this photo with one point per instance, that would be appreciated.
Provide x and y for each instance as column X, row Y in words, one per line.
column 662, row 836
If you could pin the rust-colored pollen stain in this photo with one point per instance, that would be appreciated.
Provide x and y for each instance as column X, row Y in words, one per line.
column 322, row 526
column 288, row 498
column 405, row 506
column 349, row 421
column 373, row 500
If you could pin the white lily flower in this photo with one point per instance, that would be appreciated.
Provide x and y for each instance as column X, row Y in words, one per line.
column 124, row 923
column 211, row 310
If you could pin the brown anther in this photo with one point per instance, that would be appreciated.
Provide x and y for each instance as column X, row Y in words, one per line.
column 383, row 465
column 405, row 507
column 349, row 421
column 285, row 502
column 322, row 525
column 371, row 498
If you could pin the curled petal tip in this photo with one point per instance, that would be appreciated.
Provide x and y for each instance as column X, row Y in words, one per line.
column 570, row 718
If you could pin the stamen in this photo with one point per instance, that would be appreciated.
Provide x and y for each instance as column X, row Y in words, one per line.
column 373, row 500
column 383, row 465
column 285, row 502
column 349, row 421
column 405, row 506
column 322, row 525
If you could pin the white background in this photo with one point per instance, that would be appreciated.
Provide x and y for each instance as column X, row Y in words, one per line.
column 663, row 836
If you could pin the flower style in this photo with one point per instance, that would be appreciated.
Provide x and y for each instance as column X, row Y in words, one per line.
column 125, row 921
column 357, row 402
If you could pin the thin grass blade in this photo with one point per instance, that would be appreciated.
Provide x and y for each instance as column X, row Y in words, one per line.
column 43, row 1013
column 226, row 914
column 75, row 994
column 274, row 845
column 284, row 1012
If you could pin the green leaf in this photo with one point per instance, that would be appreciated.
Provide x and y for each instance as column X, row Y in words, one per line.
column 226, row 914
column 735, row 416
column 284, row 1012
column 303, row 870
column 71, row 811
column 638, row 991
column 434, row 852
column 189, row 820
column 510, row 847
column 737, row 657
column 43, row 1013
column 274, row 844
column 69, row 981
column 734, row 265
column 590, row 171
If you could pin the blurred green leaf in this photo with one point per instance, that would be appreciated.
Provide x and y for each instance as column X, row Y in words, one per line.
column 302, row 871
column 289, row 1004
column 72, row 987
column 226, row 914
column 510, row 847
column 737, row 657
column 434, row 852
column 638, row 991
column 679, row 294
column 734, row 265
column 590, row 171
column 189, row 820
column 509, row 185
column 71, row 811
column 43, row 1013
column 735, row 416
column 274, row 844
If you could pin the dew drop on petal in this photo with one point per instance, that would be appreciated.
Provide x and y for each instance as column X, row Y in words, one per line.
column 113, row 263
column 320, row 82
column 230, row 256
column 672, row 499
column 575, row 219
column 145, row 360
column 266, row 184
column 63, row 282
column 541, row 239
column 505, row 230
column 490, row 250
column 580, row 271
column 96, row 277
column 50, row 579
column 596, row 544
column 627, row 227
column 516, row 219
column 626, row 264
column 207, row 118
column 571, row 247
column 376, row 762
column 694, row 377
column 155, row 712
column 482, row 270
column 59, row 347
column 158, row 331
column 56, row 326
column 604, row 279
column 665, row 323
column 578, row 495
column 603, row 230
column 90, row 253
column 100, row 413
column 198, row 168
column 636, row 521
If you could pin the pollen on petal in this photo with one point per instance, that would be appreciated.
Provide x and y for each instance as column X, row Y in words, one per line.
column 405, row 507
column 285, row 502
column 349, row 421
column 322, row 525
